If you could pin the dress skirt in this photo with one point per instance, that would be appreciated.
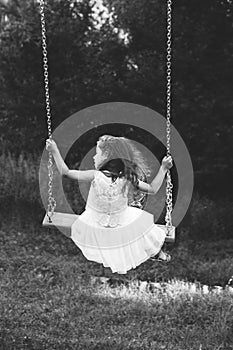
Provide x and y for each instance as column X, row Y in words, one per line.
column 121, row 242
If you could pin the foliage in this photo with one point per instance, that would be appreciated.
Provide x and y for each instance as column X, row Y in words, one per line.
column 121, row 60
column 19, row 177
column 210, row 220
column 202, row 75
column 80, row 62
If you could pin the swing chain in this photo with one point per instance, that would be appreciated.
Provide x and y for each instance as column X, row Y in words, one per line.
column 169, row 185
column 51, row 199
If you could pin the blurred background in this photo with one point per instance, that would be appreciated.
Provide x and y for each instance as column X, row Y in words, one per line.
column 107, row 51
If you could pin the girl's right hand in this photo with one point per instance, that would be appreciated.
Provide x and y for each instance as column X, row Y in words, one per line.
column 51, row 146
column 167, row 163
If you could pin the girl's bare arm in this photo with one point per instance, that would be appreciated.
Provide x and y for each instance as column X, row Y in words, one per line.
column 80, row 175
column 155, row 185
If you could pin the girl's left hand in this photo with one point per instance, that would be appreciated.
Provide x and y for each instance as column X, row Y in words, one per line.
column 51, row 146
column 167, row 162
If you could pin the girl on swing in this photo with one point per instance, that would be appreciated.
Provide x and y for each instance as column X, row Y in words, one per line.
column 110, row 231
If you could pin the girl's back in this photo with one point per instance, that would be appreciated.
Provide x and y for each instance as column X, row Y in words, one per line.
column 107, row 201
column 107, row 196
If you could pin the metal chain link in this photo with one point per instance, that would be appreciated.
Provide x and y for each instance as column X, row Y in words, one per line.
column 51, row 199
column 169, row 185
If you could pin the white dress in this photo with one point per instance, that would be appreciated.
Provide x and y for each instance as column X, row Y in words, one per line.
column 113, row 233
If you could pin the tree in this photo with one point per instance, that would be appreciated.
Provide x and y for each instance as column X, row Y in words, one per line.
column 202, row 34
column 82, row 65
column 122, row 60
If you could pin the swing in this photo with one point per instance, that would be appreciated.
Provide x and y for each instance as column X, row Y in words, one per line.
column 65, row 220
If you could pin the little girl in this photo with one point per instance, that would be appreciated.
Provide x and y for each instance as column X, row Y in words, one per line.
column 110, row 231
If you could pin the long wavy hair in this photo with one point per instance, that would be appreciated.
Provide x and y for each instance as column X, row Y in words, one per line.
column 123, row 159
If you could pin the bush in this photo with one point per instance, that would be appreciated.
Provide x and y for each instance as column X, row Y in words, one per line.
column 18, row 178
column 209, row 220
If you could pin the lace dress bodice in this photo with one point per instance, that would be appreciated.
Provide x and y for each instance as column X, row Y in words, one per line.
column 108, row 199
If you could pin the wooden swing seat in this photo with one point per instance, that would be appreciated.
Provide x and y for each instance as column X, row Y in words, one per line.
column 64, row 221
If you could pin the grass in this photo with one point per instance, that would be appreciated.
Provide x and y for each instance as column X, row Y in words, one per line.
column 50, row 300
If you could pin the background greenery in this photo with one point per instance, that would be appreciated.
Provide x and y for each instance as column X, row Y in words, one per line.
column 49, row 299
column 92, row 64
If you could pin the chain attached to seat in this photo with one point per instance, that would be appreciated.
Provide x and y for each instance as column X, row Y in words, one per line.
column 51, row 199
column 169, row 185
column 140, row 200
